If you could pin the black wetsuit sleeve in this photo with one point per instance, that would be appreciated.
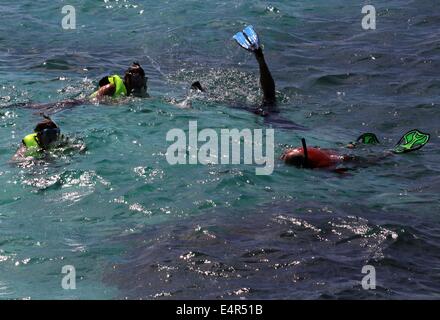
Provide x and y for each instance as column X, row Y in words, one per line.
column 266, row 81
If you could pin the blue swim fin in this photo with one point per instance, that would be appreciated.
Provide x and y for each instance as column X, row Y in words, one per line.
column 252, row 36
column 248, row 39
column 242, row 41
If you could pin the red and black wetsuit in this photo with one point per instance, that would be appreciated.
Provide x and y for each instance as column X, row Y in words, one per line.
column 316, row 157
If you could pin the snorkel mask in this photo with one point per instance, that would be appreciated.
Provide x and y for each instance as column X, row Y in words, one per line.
column 47, row 137
column 47, row 132
column 136, row 80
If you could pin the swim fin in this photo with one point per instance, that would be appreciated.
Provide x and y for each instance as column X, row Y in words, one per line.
column 368, row 138
column 411, row 141
column 248, row 39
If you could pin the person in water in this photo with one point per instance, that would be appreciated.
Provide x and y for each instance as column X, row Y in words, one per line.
column 249, row 40
column 134, row 83
column 317, row 158
column 46, row 135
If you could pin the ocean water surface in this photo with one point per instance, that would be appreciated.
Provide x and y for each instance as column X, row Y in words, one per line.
column 135, row 227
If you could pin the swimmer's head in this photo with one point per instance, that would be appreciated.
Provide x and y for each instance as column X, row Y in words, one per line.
column 197, row 87
column 47, row 132
column 295, row 159
column 298, row 157
column 135, row 80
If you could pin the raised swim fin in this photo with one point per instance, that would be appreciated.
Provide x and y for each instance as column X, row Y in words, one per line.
column 248, row 39
column 411, row 141
column 252, row 36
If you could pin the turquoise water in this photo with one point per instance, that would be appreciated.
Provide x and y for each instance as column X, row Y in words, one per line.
column 134, row 226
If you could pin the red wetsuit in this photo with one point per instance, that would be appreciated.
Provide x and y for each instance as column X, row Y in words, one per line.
column 317, row 158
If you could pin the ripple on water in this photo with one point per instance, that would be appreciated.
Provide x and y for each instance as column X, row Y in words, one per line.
column 66, row 179
column 251, row 255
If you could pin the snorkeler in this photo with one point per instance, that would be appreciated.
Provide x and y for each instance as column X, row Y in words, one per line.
column 46, row 142
column 133, row 84
column 46, row 133
column 315, row 157
column 249, row 40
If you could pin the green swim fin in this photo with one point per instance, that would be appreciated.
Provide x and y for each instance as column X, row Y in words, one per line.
column 411, row 141
column 368, row 138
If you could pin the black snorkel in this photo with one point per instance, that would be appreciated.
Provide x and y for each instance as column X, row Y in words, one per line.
column 306, row 156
